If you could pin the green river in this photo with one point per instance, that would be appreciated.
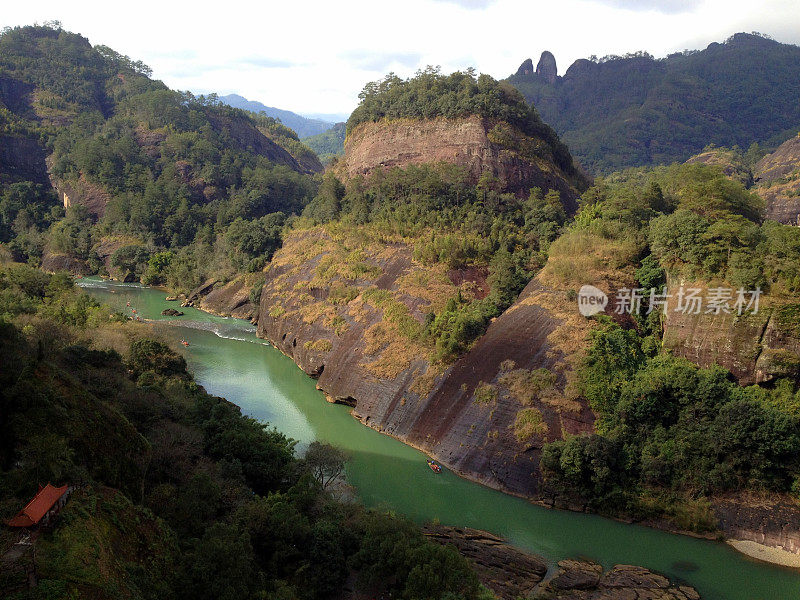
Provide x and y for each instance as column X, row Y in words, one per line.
column 228, row 360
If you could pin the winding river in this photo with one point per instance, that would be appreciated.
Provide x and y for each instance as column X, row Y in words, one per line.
column 228, row 359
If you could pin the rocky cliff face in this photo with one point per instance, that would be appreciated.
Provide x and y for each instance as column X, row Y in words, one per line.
column 82, row 192
column 526, row 68
column 22, row 159
column 231, row 299
column 332, row 304
column 768, row 521
column 517, row 161
column 755, row 348
column 778, row 182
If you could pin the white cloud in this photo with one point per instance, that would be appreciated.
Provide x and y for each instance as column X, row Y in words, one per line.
column 664, row 6
column 313, row 56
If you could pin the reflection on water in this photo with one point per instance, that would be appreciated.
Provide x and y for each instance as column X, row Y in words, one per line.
column 385, row 472
column 685, row 566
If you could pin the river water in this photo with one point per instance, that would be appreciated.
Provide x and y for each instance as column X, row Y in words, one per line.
column 227, row 358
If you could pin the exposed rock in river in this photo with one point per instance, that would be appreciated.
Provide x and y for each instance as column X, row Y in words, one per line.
column 511, row 573
column 231, row 299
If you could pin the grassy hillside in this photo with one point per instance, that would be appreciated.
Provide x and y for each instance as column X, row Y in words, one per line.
column 619, row 112
column 451, row 225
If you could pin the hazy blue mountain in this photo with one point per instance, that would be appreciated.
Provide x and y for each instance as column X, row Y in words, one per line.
column 303, row 126
column 332, row 117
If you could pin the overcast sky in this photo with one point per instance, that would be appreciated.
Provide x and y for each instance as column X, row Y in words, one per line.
column 314, row 57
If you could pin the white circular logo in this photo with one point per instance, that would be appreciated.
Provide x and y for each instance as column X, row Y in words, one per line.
column 591, row 300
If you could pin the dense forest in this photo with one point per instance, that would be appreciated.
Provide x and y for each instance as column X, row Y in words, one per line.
column 671, row 434
column 627, row 111
column 179, row 494
column 328, row 144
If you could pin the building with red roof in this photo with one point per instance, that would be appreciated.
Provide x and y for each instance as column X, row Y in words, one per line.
column 44, row 506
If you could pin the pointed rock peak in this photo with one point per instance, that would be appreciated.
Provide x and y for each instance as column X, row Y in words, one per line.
column 526, row 68
column 547, row 67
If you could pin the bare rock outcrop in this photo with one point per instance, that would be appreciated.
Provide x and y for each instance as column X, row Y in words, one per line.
column 511, row 573
column 23, row 159
column 771, row 521
column 778, row 182
column 526, row 68
column 231, row 299
column 81, row 192
column 584, row 580
column 515, row 160
column 755, row 348
column 546, row 68
column 507, row 571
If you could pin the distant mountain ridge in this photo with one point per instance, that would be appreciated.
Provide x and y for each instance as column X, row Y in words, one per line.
column 303, row 126
column 618, row 112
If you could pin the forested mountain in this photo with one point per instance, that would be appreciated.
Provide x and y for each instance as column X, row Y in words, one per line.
column 329, row 143
column 137, row 177
column 633, row 110
column 304, row 126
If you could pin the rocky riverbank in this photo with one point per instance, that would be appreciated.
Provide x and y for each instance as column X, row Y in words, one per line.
column 511, row 573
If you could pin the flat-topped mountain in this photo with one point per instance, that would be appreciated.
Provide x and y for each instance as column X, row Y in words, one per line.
column 477, row 123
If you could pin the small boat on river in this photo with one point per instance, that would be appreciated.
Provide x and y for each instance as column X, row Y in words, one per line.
column 434, row 467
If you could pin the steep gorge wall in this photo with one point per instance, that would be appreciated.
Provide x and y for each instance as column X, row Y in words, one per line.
column 464, row 413
column 755, row 348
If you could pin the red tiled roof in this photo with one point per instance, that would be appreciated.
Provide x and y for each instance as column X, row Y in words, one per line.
column 42, row 502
